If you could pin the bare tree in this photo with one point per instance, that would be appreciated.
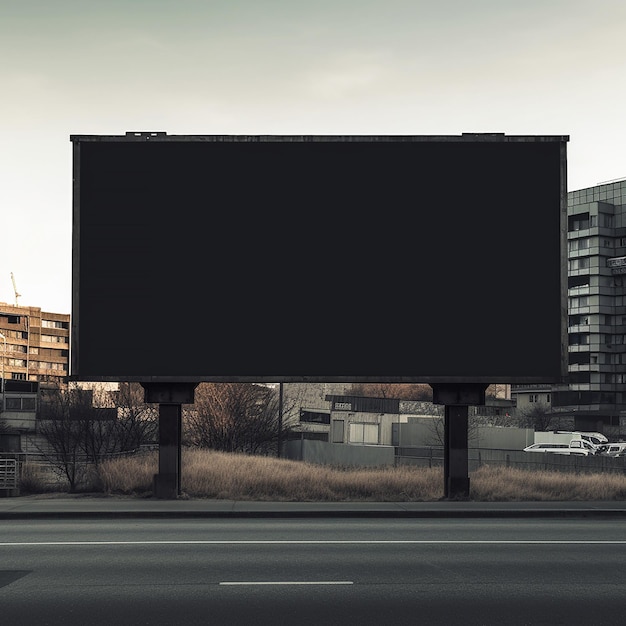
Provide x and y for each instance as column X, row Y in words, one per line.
column 437, row 431
column 234, row 417
column 83, row 426
column 137, row 421
column 499, row 418
column 64, row 433
column 497, row 391
column 538, row 416
column 399, row 391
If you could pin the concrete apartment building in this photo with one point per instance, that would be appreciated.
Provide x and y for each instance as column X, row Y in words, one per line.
column 36, row 345
column 594, row 396
column 34, row 353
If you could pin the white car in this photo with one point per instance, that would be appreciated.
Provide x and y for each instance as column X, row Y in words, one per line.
column 560, row 448
column 615, row 449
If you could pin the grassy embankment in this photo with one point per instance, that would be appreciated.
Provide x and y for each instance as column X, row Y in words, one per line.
column 208, row 474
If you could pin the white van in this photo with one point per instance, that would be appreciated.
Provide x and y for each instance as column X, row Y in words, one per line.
column 596, row 439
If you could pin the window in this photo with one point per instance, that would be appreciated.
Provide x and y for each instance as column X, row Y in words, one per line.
column 578, row 222
column 578, row 320
column 579, row 358
column 47, row 378
column 12, row 319
column 579, row 264
column 606, row 220
column 578, row 339
column 20, row 404
column 44, row 365
column 578, row 281
column 363, row 433
column 578, row 244
column 314, row 417
column 578, row 378
column 54, row 339
column 579, row 301
column 54, row 324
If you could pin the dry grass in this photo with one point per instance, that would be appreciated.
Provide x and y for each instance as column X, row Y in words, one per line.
column 489, row 484
column 243, row 477
column 129, row 475
column 217, row 475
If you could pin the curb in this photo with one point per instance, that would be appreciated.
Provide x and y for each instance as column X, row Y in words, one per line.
column 369, row 514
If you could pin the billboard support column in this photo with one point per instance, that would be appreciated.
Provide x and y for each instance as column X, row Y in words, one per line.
column 457, row 398
column 170, row 397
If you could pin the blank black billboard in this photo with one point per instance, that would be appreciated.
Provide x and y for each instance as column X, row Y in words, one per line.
column 319, row 258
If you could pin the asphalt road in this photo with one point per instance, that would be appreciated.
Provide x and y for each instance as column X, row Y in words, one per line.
column 312, row 571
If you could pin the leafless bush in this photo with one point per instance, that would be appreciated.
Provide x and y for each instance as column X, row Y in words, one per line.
column 234, row 417
column 33, row 479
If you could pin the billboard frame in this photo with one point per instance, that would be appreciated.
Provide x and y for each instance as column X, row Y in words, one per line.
column 163, row 137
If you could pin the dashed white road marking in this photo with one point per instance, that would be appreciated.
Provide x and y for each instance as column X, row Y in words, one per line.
column 288, row 582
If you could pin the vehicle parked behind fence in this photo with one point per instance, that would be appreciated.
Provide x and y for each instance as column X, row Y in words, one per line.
column 615, row 449
column 575, row 446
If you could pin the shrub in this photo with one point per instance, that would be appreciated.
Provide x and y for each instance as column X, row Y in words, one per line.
column 33, row 479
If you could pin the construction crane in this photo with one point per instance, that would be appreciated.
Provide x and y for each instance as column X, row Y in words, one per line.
column 17, row 295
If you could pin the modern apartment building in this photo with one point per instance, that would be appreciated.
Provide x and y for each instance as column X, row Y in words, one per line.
column 34, row 345
column 595, row 396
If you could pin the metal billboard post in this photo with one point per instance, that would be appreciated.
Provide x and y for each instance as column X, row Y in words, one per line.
column 170, row 398
column 457, row 399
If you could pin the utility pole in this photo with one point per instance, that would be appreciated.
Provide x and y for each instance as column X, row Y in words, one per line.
column 280, row 419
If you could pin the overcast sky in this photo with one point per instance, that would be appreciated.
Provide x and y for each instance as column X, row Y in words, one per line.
column 202, row 67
